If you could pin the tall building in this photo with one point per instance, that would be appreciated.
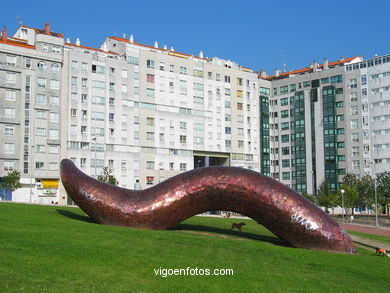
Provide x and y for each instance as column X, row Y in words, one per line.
column 149, row 113
column 30, row 125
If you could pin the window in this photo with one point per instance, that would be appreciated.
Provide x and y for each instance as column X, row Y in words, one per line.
column 285, row 126
column 355, row 151
column 39, row 165
column 286, row 175
column 285, row 138
column 183, row 167
column 228, row 130
column 27, row 62
column 150, row 165
column 11, row 77
column 9, row 166
column 284, row 89
column 55, row 68
column 149, row 63
column 84, row 66
column 353, row 83
column 354, row 110
column 124, row 73
column 239, row 106
column 54, row 84
column 149, row 121
column 9, row 148
column 284, row 114
column 75, row 65
column 54, row 149
column 336, row 79
column 284, row 101
column 354, row 124
column 340, row 131
column 41, row 66
column 53, row 133
column 111, row 117
column 40, row 131
column 356, row 165
column 10, row 95
column 340, row 104
column 74, row 80
column 355, row 137
column 325, row 80
column 227, row 78
column 54, row 117
column 183, row 139
column 150, row 92
column 183, row 125
column 41, row 99
column 150, row 78
column 149, row 135
column 285, row 151
column 41, row 82
column 340, row 117
column 9, row 130
column 286, row 163
column 10, row 112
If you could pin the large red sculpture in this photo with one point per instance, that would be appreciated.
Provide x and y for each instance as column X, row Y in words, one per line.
column 279, row 208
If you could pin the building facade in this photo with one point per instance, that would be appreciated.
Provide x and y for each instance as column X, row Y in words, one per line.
column 149, row 113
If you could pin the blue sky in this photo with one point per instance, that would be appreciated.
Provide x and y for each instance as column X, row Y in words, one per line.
column 257, row 34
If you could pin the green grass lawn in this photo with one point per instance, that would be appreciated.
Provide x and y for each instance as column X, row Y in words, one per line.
column 58, row 249
column 371, row 236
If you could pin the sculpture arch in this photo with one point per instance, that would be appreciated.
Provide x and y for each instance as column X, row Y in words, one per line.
column 272, row 204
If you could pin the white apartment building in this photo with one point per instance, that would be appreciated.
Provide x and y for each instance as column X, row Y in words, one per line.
column 30, row 125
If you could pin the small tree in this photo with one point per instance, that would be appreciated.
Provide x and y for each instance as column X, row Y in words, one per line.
column 326, row 196
column 107, row 176
column 384, row 190
column 308, row 196
column 366, row 189
column 350, row 185
column 11, row 181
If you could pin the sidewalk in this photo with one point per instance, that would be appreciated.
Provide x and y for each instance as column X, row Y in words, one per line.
column 381, row 231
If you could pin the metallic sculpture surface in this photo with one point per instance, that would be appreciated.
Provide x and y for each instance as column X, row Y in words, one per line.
column 280, row 209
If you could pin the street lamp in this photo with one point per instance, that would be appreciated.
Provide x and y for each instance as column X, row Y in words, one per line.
column 94, row 139
column 376, row 198
column 342, row 204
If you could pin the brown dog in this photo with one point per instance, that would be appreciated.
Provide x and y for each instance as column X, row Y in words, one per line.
column 238, row 226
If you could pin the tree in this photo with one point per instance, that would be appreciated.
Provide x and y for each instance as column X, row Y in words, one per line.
column 308, row 196
column 366, row 189
column 384, row 190
column 326, row 196
column 351, row 196
column 11, row 181
column 107, row 176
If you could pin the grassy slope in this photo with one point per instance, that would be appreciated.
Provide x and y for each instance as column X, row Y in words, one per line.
column 57, row 249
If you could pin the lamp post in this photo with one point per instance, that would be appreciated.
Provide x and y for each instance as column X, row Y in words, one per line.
column 342, row 204
column 94, row 139
column 376, row 198
column 376, row 202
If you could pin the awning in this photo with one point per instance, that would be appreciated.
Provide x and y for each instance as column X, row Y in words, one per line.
column 49, row 183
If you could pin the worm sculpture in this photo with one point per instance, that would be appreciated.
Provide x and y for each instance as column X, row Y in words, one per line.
column 272, row 204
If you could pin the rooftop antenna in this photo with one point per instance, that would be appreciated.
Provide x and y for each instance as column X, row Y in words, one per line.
column 19, row 18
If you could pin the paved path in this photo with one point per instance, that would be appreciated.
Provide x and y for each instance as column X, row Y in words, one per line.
column 382, row 231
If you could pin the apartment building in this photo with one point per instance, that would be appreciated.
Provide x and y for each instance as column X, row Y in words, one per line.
column 313, row 125
column 372, row 77
column 149, row 113
column 30, row 125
